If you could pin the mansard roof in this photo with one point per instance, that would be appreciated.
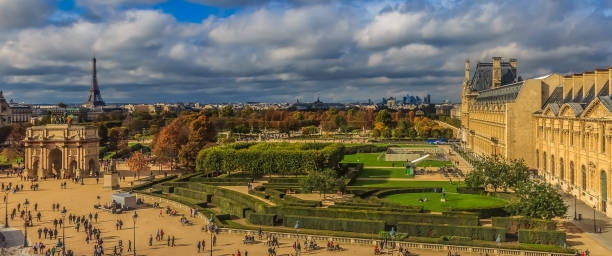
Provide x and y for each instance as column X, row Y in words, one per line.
column 600, row 107
column 554, row 108
column 481, row 80
column 556, row 97
column 575, row 108
column 506, row 93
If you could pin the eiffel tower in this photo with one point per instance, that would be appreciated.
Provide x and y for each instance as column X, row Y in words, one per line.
column 94, row 99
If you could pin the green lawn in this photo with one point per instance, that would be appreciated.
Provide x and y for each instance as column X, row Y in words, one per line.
column 408, row 184
column 434, row 163
column 384, row 173
column 453, row 200
column 370, row 159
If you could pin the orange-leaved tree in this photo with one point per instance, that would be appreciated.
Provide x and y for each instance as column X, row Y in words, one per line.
column 138, row 163
column 169, row 140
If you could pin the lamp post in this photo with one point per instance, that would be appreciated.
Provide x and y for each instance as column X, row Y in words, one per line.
column 575, row 210
column 211, row 233
column 594, row 219
column 25, row 224
column 6, row 193
column 64, row 231
column 392, row 234
column 297, row 230
column 134, row 217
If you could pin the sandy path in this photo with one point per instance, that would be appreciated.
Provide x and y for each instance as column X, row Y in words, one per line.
column 79, row 199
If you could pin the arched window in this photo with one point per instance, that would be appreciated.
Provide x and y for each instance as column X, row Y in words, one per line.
column 544, row 161
column 572, row 173
column 584, row 178
column 552, row 165
column 604, row 186
column 561, row 169
column 537, row 159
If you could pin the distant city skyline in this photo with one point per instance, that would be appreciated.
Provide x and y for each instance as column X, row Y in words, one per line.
column 213, row 51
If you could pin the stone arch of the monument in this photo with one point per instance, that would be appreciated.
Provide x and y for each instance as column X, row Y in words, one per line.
column 92, row 167
column 72, row 168
column 55, row 161
column 60, row 150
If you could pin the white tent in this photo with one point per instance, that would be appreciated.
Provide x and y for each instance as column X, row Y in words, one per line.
column 125, row 200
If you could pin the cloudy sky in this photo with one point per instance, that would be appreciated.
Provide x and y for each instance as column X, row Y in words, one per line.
column 280, row 51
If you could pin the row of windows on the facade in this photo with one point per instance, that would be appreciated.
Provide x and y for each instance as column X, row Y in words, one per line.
column 489, row 117
column 587, row 179
column 489, row 131
column 484, row 146
column 597, row 142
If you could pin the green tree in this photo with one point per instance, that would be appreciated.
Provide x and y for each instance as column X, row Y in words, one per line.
column 226, row 111
column 491, row 172
column 325, row 181
column 384, row 117
column 298, row 116
column 538, row 200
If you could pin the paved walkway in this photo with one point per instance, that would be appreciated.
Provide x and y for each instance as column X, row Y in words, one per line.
column 586, row 224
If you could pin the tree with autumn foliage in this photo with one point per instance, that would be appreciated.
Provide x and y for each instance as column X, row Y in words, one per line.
column 202, row 132
column 138, row 163
column 167, row 144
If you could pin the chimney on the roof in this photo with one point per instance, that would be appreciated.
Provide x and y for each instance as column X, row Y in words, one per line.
column 577, row 85
column 588, row 79
column 496, row 75
column 601, row 76
column 467, row 70
column 513, row 65
column 610, row 81
column 568, row 83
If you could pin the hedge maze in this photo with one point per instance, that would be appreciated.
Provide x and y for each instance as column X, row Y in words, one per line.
column 274, row 207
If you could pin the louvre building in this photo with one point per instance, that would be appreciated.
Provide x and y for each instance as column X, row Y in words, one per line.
column 560, row 125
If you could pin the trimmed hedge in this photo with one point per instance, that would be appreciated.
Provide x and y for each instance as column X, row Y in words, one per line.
column 486, row 213
column 388, row 192
column 336, row 224
column 541, row 237
column 368, row 148
column 433, row 230
column 270, row 158
column 513, row 224
column 203, row 196
column 153, row 182
column 261, row 219
column 474, row 191
column 390, row 218
column 230, row 206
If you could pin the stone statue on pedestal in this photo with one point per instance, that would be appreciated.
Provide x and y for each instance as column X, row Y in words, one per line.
column 111, row 177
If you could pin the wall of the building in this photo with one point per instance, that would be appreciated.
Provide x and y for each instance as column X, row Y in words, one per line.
column 590, row 147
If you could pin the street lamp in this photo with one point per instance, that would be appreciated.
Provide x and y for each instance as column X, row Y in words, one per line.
column 6, row 209
column 575, row 210
column 134, row 217
column 64, row 231
column 211, row 233
column 392, row 234
column 25, row 224
column 594, row 219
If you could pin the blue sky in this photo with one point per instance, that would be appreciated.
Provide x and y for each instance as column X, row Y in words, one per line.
column 283, row 50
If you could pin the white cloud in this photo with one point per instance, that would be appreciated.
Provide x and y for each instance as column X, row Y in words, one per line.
column 23, row 13
column 270, row 51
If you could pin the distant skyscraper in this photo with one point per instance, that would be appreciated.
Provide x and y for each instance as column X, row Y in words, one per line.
column 94, row 99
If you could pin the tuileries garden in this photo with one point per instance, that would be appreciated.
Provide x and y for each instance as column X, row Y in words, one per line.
column 430, row 194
